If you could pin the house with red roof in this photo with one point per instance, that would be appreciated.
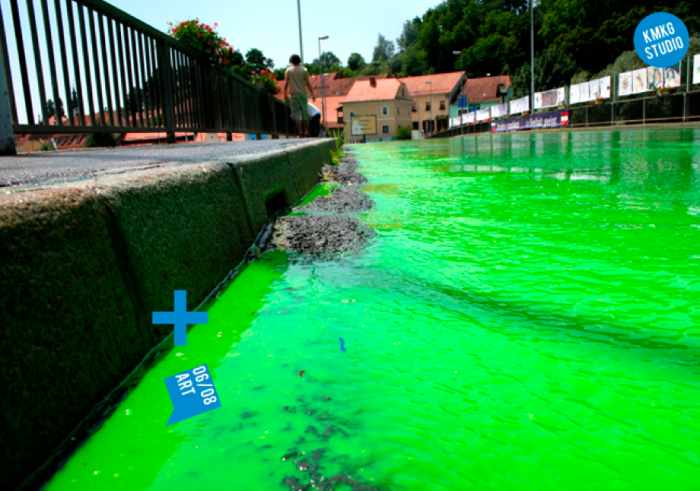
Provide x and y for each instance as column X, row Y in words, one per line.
column 433, row 95
column 375, row 109
column 484, row 92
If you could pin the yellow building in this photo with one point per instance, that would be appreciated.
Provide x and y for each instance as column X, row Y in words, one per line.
column 374, row 109
column 433, row 95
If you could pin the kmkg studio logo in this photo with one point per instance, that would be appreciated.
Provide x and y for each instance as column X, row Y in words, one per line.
column 661, row 40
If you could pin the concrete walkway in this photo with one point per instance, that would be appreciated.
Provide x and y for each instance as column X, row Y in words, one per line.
column 47, row 168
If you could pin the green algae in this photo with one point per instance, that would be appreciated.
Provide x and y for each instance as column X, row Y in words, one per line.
column 526, row 319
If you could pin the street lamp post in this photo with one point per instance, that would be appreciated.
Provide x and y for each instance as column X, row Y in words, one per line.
column 323, row 91
column 301, row 44
column 532, row 58
column 431, row 105
column 461, row 62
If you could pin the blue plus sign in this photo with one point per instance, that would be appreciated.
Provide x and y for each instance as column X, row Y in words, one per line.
column 180, row 318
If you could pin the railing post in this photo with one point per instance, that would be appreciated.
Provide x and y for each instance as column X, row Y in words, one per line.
column 7, row 137
column 166, row 87
column 644, row 111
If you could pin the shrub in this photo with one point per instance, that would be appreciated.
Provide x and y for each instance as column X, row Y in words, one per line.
column 266, row 80
column 204, row 38
column 404, row 133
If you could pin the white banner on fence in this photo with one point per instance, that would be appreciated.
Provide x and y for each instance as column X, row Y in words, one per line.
column 625, row 84
column 454, row 122
column 584, row 90
column 639, row 81
column 551, row 98
column 519, row 106
column 696, row 70
column 483, row 114
column 655, row 77
column 499, row 111
column 471, row 117
column 672, row 75
column 605, row 87
column 593, row 90
column 574, row 94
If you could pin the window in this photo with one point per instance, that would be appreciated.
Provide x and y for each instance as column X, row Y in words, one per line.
column 414, row 109
column 340, row 120
column 415, row 125
column 352, row 114
column 427, row 106
column 385, row 110
column 385, row 129
column 398, row 110
column 442, row 105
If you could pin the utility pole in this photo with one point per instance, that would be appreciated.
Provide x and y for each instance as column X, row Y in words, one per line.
column 532, row 57
column 323, row 90
column 301, row 44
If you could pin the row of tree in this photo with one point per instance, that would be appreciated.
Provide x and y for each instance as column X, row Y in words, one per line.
column 572, row 38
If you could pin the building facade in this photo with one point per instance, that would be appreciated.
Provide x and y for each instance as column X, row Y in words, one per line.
column 433, row 95
column 375, row 109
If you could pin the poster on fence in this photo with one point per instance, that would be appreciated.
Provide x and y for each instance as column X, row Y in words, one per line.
column 625, row 83
column 471, row 117
column 696, row 70
column 584, row 87
column 499, row 111
column 546, row 120
column 574, row 94
column 593, row 90
column 672, row 75
column 605, row 87
column 483, row 114
column 519, row 106
column 655, row 77
column 551, row 98
column 639, row 81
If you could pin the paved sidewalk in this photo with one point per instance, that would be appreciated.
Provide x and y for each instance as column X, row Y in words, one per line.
column 46, row 168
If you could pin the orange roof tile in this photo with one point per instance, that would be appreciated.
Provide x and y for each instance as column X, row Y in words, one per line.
column 485, row 89
column 442, row 83
column 383, row 90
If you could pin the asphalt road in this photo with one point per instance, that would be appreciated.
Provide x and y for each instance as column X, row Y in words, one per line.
column 45, row 168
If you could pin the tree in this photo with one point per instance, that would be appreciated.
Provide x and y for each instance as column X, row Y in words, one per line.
column 255, row 61
column 328, row 60
column 409, row 35
column 51, row 108
column 356, row 62
column 384, row 50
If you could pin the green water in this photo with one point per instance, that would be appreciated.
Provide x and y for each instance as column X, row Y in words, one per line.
column 526, row 319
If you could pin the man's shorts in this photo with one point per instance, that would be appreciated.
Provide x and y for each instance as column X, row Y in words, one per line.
column 300, row 106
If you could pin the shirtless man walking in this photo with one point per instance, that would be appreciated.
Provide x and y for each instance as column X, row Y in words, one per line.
column 296, row 81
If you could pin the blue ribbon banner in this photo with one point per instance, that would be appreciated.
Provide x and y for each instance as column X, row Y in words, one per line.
column 192, row 393
column 532, row 122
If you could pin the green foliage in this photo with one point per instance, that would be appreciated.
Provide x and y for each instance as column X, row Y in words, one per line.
column 102, row 139
column 202, row 37
column 266, row 80
column 384, row 50
column 356, row 62
column 337, row 154
column 45, row 147
column 404, row 133
column 328, row 60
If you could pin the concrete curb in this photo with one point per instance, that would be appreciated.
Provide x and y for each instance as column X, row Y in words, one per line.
column 85, row 265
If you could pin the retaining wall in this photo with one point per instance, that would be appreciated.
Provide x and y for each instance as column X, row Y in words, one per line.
column 83, row 267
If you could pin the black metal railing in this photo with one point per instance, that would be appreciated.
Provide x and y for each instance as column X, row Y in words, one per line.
column 84, row 66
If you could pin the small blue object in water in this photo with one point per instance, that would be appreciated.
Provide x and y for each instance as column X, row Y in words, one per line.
column 180, row 318
column 192, row 393
column 342, row 344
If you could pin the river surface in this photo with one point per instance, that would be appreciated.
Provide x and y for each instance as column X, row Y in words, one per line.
column 527, row 318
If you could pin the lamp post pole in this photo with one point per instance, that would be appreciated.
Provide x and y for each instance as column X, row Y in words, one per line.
column 301, row 44
column 431, row 105
column 323, row 91
column 461, row 62
column 532, row 57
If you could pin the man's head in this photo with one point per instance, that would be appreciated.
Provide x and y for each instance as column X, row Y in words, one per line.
column 295, row 60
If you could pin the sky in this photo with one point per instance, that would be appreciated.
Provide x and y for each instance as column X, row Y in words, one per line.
column 273, row 27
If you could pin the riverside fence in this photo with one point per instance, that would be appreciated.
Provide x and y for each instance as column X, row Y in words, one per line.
column 110, row 72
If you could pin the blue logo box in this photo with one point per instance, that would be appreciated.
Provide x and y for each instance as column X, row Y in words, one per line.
column 192, row 393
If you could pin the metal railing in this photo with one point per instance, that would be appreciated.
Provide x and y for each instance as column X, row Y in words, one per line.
column 117, row 74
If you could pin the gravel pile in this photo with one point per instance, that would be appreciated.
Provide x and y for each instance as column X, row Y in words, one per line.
column 344, row 174
column 320, row 235
column 342, row 200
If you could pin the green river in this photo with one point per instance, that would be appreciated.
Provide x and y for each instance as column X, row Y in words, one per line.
column 527, row 318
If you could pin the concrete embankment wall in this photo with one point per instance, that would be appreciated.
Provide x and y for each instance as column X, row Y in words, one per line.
column 83, row 267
